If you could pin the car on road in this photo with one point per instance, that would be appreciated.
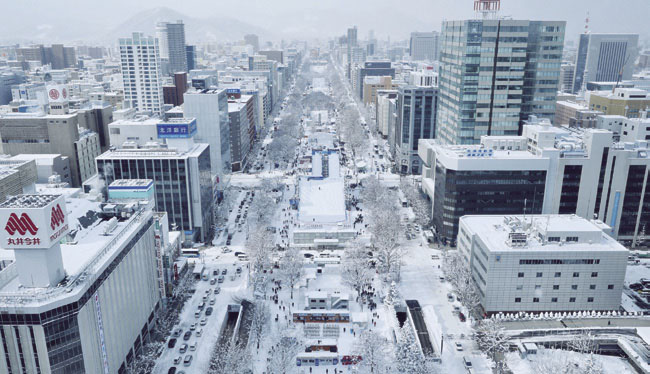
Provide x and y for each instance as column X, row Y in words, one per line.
column 178, row 360
column 226, row 250
column 467, row 362
column 199, row 332
column 212, row 301
column 197, row 314
column 217, row 290
column 450, row 297
column 193, row 327
column 183, row 348
column 461, row 317
column 187, row 335
column 213, row 281
column 224, row 272
column 171, row 343
column 458, row 346
column 193, row 346
column 239, row 270
column 172, row 370
column 221, row 279
column 204, row 321
column 435, row 257
column 188, row 360
column 215, row 272
column 441, row 278
column 208, row 311
column 178, row 333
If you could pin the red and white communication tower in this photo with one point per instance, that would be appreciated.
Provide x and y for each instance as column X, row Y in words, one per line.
column 487, row 8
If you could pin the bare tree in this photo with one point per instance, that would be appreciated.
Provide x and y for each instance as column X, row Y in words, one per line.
column 282, row 358
column 259, row 323
column 420, row 205
column 408, row 354
column 375, row 352
column 230, row 357
column 291, row 267
column 459, row 274
column 355, row 268
column 385, row 229
column 587, row 344
column 491, row 338
column 260, row 245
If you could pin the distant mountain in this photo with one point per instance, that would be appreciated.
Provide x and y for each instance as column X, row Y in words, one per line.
column 196, row 29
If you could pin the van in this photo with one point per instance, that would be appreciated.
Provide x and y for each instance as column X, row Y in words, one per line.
column 188, row 360
column 467, row 362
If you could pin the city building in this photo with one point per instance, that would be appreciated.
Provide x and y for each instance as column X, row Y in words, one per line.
column 486, row 90
column 57, row 55
column 46, row 167
column 171, row 37
column 180, row 170
column 275, row 55
column 371, row 69
column 628, row 102
column 575, row 114
column 210, row 108
column 567, row 70
column 173, row 93
column 9, row 78
column 138, row 131
column 543, row 263
column 16, row 177
column 241, row 115
column 63, row 306
column 416, row 119
column 425, row 77
column 605, row 58
column 626, row 130
column 190, row 52
column 424, row 46
column 386, row 112
column 141, row 73
column 547, row 170
column 371, row 84
column 252, row 40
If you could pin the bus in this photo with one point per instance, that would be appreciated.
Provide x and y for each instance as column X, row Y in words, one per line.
column 319, row 358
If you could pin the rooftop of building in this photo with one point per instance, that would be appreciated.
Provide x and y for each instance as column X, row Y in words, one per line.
column 541, row 233
column 154, row 150
column 322, row 201
column 131, row 183
column 28, row 201
column 623, row 94
column 88, row 250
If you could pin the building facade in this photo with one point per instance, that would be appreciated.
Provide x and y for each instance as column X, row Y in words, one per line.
column 423, row 46
column 416, row 119
column 494, row 74
column 628, row 102
column 550, row 263
column 141, row 73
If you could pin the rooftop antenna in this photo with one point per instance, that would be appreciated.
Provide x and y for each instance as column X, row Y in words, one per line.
column 488, row 9
column 587, row 23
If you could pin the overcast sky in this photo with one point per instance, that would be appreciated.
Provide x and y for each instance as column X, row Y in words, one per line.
column 311, row 18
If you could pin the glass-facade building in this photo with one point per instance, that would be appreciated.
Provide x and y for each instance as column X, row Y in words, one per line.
column 494, row 74
column 417, row 108
column 183, row 184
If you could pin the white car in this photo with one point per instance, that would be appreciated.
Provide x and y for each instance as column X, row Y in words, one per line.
column 199, row 332
column 178, row 360
column 193, row 346
column 204, row 321
column 457, row 345
column 193, row 327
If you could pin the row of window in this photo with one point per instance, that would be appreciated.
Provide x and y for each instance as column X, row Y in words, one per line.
column 560, row 261
column 558, row 274
column 573, row 287
column 555, row 299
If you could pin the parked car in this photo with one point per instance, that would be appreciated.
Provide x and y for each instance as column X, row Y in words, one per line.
column 636, row 286
column 193, row 327
column 178, row 360
column 172, row 370
column 221, row 279
column 198, row 333
column 187, row 335
column 215, row 272
column 213, row 281
column 467, row 362
column 224, row 271
column 217, row 290
column 208, row 311
column 204, row 321
column 188, row 360
column 193, row 346
column 177, row 333
column 183, row 348
column 458, row 346
column 171, row 343
column 450, row 297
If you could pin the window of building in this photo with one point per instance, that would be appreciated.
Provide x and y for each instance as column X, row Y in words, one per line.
column 571, row 238
column 538, row 286
column 574, row 286
column 592, row 286
column 536, row 299
column 517, row 299
column 572, row 299
column 554, row 300
column 553, row 239
column 520, row 275
column 610, row 286
column 556, row 286
column 539, row 275
column 558, row 274
column 520, row 287
column 576, row 275
column 590, row 299
column 594, row 274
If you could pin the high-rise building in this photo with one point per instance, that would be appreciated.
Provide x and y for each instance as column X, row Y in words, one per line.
column 57, row 55
column 72, row 306
column 386, row 113
column 252, row 40
column 210, row 108
column 176, row 47
column 494, row 74
column 173, row 94
column 416, row 119
column 371, row 69
column 423, row 46
column 141, row 72
column 543, row 263
column 566, row 76
column 274, row 55
column 181, row 175
column 241, row 113
column 603, row 57
column 547, row 170
column 190, row 51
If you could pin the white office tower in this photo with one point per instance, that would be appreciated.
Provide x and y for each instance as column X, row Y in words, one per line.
column 78, row 284
column 543, row 263
column 424, row 46
column 141, row 72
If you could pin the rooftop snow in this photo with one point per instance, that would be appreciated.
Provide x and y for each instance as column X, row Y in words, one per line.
column 321, row 201
column 28, row 201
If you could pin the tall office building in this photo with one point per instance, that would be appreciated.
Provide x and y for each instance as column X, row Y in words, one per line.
column 423, row 46
column 494, row 74
column 252, row 40
column 190, row 52
column 57, row 55
column 416, row 119
column 602, row 57
column 140, row 61
column 177, row 53
column 351, row 41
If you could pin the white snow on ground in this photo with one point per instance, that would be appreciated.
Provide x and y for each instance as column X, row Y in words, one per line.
column 610, row 364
